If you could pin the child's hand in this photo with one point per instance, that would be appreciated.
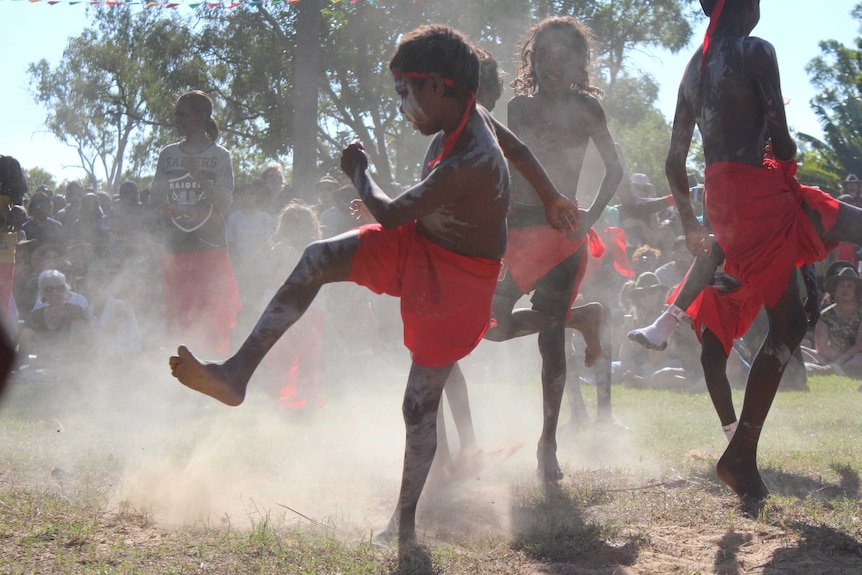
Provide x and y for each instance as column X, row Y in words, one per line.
column 698, row 240
column 562, row 214
column 352, row 158
column 359, row 211
column 15, row 218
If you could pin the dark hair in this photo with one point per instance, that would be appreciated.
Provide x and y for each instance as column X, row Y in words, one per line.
column 490, row 78
column 297, row 225
column 129, row 188
column 526, row 82
column 440, row 49
column 12, row 182
column 201, row 103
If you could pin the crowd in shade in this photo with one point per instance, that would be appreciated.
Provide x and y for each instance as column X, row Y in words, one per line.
column 83, row 261
column 87, row 276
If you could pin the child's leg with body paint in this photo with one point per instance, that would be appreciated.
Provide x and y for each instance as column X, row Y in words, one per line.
column 322, row 262
column 738, row 465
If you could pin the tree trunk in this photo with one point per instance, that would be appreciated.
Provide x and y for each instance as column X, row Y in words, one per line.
column 305, row 98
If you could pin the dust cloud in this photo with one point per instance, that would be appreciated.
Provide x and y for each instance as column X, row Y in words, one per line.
column 143, row 441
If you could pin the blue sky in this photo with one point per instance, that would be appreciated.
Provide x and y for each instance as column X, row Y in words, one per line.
column 33, row 31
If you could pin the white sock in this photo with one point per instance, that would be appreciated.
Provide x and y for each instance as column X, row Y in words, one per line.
column 730, row 429
column 662, row 328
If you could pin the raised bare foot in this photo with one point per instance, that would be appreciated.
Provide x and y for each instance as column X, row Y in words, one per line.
column 212, row 379
column 741, row 475
column 587, row 319
column 549, row 469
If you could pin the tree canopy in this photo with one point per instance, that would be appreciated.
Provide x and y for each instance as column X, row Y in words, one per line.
column 112, row 94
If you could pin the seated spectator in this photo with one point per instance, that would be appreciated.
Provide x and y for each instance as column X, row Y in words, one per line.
column 336, row 216
column 645, row 259
column 641, row 367
column 57, row 333
column 672, row 273
column 838, row 334
column 112, row 318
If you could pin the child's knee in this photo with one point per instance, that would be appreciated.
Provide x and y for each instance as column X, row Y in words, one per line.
column 415, row 409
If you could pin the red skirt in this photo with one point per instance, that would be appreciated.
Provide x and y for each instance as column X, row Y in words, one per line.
column 445, row 297
column 757, row 217
column 201, row 299
column 533, row 251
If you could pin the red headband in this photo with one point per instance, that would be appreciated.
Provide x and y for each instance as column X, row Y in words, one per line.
column 453, row 136
column 713, row 21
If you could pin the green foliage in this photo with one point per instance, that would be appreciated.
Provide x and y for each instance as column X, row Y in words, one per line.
column 36, row 177
column 111, row 97
column 837, row 75
column 108, row 96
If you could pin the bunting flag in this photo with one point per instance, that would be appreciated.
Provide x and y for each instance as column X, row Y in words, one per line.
column 226, row 4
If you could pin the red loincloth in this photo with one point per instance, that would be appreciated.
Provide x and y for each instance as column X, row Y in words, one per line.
column 757, row 217
column 614, row 240
column 445, row 297
column 294, row 360
column 533, row 251
column 201, row 298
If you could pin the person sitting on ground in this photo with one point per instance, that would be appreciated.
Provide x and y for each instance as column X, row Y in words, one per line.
column 838, row 334
column 57, row 333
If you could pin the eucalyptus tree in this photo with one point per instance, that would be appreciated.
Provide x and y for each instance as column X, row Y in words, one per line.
column 837, row 75
column 108, row 96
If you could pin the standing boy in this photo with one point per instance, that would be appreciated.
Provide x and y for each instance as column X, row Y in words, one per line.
column 437, row 246
column 731, row 92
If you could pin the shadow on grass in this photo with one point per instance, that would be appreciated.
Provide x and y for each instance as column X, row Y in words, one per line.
column 798, row 486
column 549, row 526
column 819, row 546
column 415, row 560
column 727, row 556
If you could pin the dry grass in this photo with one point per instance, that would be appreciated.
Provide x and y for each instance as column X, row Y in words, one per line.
column 120, row 477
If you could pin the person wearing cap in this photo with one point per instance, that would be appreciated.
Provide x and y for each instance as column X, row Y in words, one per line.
column 852, row 187
column 646, row 368
column 838, row 334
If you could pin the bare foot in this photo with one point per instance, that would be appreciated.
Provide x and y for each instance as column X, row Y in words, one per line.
column 549, row 469
column 587, row 319
column 212, row 379
column 741, row 475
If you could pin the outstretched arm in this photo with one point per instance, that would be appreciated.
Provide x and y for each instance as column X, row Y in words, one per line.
column 561, row 212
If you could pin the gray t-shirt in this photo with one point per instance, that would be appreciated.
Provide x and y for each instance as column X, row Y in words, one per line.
column 197, row 220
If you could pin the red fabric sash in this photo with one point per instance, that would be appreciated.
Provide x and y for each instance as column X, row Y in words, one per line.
column 713, row 22
column 534, row 250
column 757, row 218
column 445, row 297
